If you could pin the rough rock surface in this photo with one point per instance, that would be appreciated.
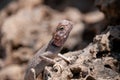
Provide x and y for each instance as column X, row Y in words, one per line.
column 95, row 62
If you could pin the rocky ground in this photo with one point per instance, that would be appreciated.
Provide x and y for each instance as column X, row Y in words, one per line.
column 27, row 25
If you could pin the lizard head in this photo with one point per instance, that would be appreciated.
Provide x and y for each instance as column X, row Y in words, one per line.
column 62, row 32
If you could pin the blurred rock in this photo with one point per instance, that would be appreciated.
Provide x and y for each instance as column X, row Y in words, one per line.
column 12, row 72
column 111, row 10
column 22, row 55
column 29, row 3
column 25, row 27
column 93, row 17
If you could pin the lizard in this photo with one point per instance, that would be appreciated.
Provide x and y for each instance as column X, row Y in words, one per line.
column 45, row 56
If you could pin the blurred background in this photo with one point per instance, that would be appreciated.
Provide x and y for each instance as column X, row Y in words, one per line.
column 27, row 25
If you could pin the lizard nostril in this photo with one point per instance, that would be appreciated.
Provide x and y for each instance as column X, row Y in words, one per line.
column 49, row 75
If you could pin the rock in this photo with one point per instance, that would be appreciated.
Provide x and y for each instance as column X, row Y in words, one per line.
column 13, row 72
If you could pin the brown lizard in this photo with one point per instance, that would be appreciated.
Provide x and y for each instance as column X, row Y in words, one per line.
column 45, row 55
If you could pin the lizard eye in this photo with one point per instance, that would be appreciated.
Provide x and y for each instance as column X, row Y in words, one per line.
column 61, row 28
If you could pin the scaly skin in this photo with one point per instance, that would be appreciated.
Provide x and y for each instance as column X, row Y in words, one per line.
column 45, row 55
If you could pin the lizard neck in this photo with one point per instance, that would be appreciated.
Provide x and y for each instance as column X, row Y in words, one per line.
column 53, row 48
